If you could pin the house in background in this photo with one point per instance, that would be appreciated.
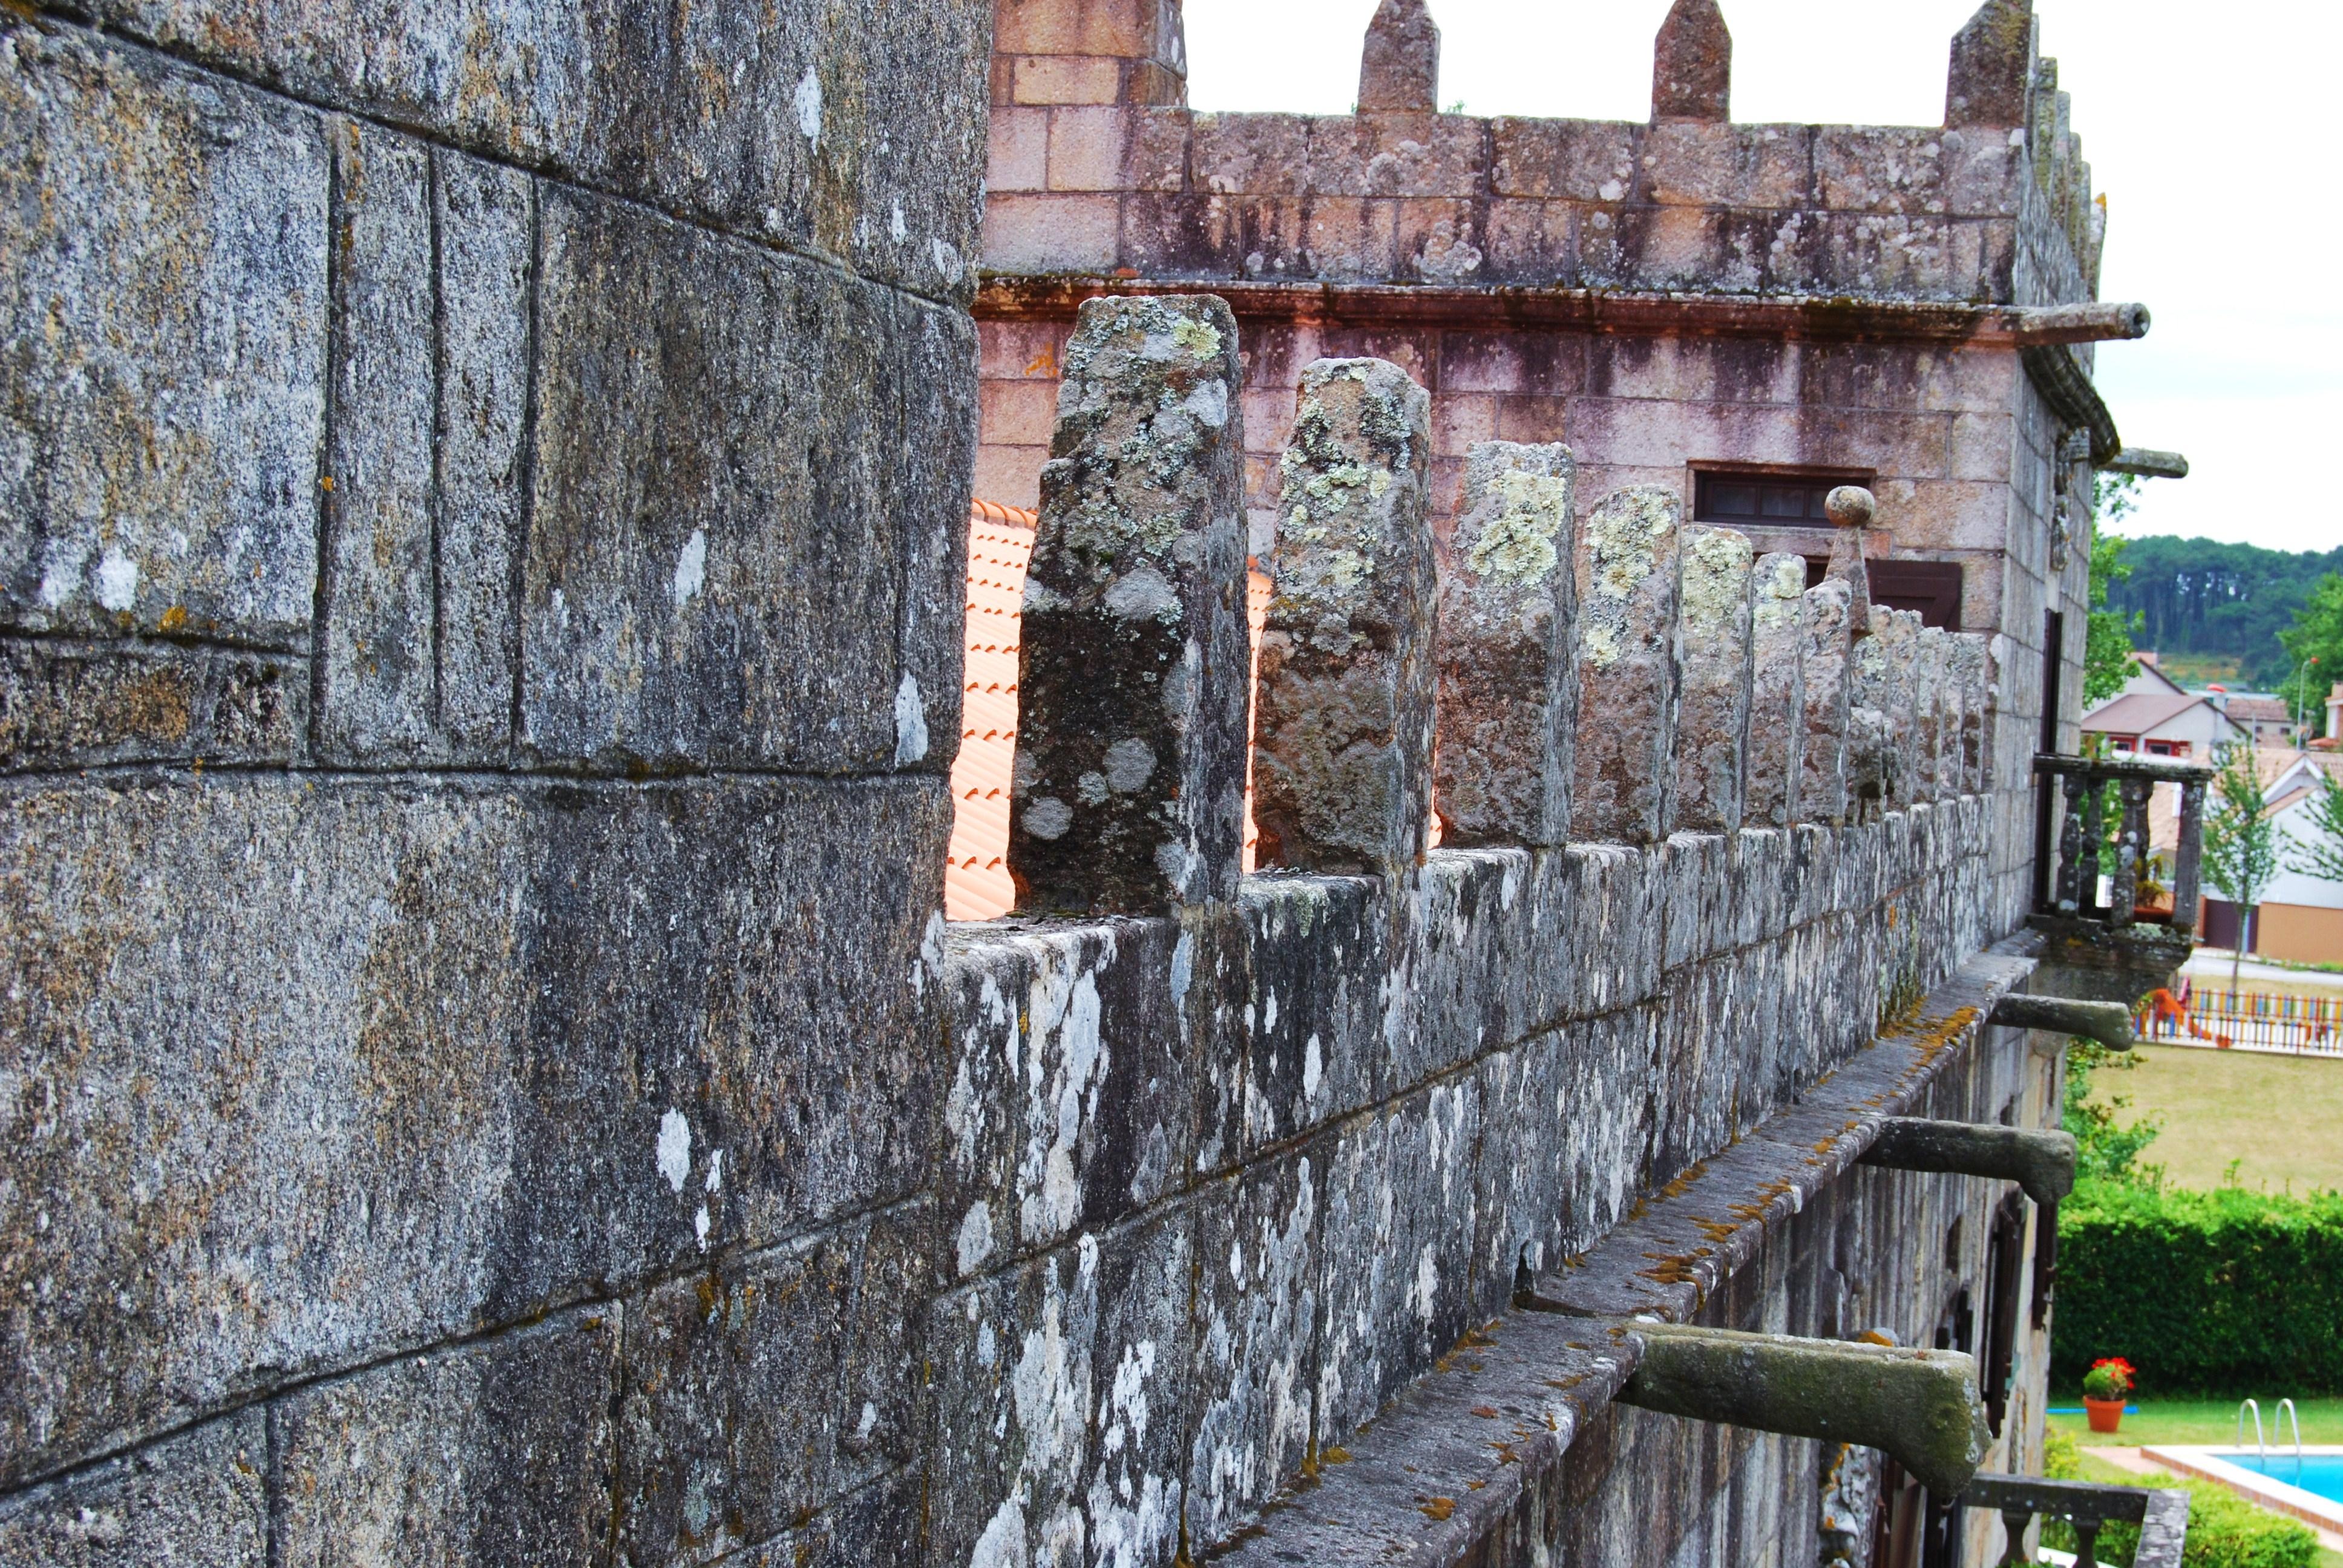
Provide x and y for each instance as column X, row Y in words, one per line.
column 2266, row 717
column 2155, row 716
column 2301, row 918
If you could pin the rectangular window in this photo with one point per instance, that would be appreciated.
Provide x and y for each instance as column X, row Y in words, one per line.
column 1931, row 587
column 1773, row 501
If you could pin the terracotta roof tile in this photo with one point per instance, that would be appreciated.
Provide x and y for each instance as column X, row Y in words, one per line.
column 976, row 867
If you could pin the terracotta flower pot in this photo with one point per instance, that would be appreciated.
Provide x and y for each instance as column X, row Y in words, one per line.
column 2106, row 1414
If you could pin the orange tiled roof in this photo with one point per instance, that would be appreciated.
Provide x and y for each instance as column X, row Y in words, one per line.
column 976, row 868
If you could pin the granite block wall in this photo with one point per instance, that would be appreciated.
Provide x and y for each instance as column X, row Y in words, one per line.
column 467, row 1100
column 1577, row 1028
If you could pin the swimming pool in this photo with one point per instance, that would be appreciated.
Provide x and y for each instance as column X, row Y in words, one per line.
column 2320, row 1474
column 2269, row 1476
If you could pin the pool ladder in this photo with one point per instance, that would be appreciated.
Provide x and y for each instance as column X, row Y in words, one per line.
column 2284, row 1413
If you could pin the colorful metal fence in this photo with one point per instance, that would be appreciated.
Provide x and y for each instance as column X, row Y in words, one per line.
column 2243, row 1020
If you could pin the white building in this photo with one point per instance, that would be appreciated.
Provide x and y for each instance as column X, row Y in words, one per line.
column 2301, row 918
column 2155, row 716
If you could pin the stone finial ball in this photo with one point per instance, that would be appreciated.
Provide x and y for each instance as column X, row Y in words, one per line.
column 1850, row 507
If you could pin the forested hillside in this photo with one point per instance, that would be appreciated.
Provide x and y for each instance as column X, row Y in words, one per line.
column 2200, row 598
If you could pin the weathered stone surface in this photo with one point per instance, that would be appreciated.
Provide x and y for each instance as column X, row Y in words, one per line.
column 2040, row 1161
column 1851, row 509
column 1628, row 572
column 929, row 502
column 1897, row 632
column 764, row 1387
column 198, row 1500
column 1129, row 791
column 1692, row 63
column 1777, row 691
column 1715, row 670
column 1970, row 665
column 1057, row 1389
column 496, row 1452
column 1874, row 750
column 1398, row 1250
column 1321, row 955
column 380, row 658
column 1259, row 1275
column 722, row 516
column 1921, row 1407
column 1071, row 1099
column 1398, row 69
column 431, row 367
column 164, row 315
column 1507, row 648
column 1929, row 661
column 1828, row 682
column 1343, row 737
column 811, row 124
column 1991, row 82
column 879, row 1523
column 1460, row 980
column 69, row 704
column 419, row 1061
column 487, row 218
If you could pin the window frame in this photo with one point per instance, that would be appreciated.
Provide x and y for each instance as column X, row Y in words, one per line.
column 1820, row 481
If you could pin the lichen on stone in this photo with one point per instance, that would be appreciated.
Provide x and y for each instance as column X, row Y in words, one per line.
column 1201, row 339
column 1518, row 545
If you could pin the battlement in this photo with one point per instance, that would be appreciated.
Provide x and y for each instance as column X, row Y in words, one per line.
column 490, row 1078
column 1991, row 207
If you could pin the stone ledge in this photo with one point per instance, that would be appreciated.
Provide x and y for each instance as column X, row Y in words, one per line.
column 1448, row 1469
column 1010, row 296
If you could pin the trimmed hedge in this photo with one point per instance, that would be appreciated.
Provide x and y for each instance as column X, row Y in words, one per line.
column 2204, row 1292
column 2225, row 1530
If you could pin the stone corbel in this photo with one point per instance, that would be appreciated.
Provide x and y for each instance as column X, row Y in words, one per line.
column 1919, row 1407
column 2041, row 1163
column 2109, row 1022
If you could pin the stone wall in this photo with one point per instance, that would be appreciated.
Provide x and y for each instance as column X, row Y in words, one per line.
column 1608, row 285
column 478, row 675
column 1219, row 1183
column 486, row 1075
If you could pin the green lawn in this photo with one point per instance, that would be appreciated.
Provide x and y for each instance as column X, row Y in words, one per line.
column 2276, row 1115
column 2201, row 1420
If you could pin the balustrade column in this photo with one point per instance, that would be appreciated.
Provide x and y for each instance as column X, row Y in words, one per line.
column 2066, row 889
column 2131, row 846
column 2188, row 858
column 2087, row 857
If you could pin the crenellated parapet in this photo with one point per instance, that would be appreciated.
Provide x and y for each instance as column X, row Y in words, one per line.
column 1508, row 649
column 1992, row 206
column 1258, row 1160
column 1618, row 676
column 1342, row 770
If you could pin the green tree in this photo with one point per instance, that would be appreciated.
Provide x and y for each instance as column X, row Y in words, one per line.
column 2107, row 643
column 2323, row 856
column 2105, row 1150
column 2315, row 642
column 2241, row 851
column 2210, row 600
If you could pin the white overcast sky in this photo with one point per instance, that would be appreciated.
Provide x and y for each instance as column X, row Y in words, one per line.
column 2212, row 131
